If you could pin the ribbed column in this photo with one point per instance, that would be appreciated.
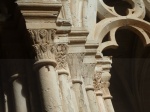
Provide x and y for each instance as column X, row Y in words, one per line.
column 62, row 69
column 88, row 80
column 105, row 83
column 97, row 87
column 45, row 66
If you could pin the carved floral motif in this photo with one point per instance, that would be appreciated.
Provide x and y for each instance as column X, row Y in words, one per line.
column 43, row 43
column 40, row 36
column 61, row 56
column 97, row 81
column 45, row 51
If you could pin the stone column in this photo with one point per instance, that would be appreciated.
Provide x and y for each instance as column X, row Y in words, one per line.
column 88, row 80
column 97, row 87
column 75, row 61
column 17, row 81
column 6, row 103
column 19, row 99
column 63, row 72
column 45, row 66
column 105, row 83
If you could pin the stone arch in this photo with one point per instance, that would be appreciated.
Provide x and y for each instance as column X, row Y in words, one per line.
column 112, row 24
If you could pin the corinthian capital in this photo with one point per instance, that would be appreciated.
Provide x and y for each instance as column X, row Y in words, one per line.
column 43, row 43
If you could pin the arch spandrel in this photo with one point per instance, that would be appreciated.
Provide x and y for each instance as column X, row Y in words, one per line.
column 112, row 24
column 138, row 10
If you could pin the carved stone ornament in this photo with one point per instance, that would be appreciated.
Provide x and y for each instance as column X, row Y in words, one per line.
column 61, row 56
column 43, row 43
column 97, row 81
column 45, row 51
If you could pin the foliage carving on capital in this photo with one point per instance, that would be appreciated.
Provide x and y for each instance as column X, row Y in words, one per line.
column 97, row 81
column 61, row 56
column 43, row 43
column 97, row 78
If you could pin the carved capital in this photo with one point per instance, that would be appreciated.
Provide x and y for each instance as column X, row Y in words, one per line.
column 43, row 43
column 61, row 56
column 97, row 78
column 40, row 36
column 97, row 81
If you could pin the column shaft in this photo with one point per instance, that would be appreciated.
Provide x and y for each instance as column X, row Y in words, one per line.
column 49, row 89
column 109, row 105
column 75, row 62
column 20, row 104
column 88, row 80
column 79, row 96
column 66, row 93
column 98, row 87
column 92, row 101
column 100, row 101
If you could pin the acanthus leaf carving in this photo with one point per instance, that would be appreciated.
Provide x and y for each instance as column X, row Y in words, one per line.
column 97, row 81
column 97, row 78
column 53, row 33
column 61, row 56
column 45, row 51
column 43, row 43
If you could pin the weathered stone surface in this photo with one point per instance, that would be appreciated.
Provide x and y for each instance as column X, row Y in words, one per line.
column 68, row 40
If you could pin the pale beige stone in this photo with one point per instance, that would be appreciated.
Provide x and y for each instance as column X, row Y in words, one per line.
column 18, row 96
column 73, row 75
column 49, row 89
column 138, row 9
